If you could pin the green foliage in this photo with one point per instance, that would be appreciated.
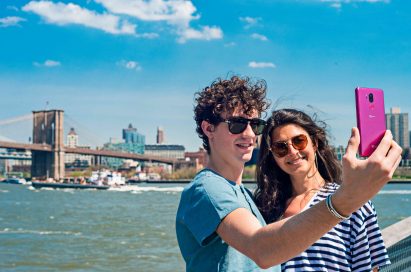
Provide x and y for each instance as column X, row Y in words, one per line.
column 249, row 172
column 402, row 173
column 183, row 173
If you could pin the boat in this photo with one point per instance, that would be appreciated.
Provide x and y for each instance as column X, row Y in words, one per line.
column 107, row 177
column 59, row 185
column 15, row 181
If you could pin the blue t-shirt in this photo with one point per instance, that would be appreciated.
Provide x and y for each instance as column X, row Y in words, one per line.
column 204, row 203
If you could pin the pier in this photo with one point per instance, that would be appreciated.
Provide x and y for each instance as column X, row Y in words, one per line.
column 397, row 239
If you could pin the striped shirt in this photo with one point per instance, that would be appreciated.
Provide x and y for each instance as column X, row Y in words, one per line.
column 353, row 245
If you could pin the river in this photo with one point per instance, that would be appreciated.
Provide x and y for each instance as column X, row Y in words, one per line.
column 128, row 229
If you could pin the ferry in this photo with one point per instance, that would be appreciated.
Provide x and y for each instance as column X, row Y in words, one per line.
column 107, row 177
column 60, row 185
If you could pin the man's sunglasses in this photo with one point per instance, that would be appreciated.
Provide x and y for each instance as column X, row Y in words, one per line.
column 280, row 149
column 237, row 125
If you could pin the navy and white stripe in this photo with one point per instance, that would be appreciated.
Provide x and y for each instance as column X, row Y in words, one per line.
column 353, row 245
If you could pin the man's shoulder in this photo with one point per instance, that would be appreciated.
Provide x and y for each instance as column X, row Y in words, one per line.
column 208, row 183
column 206, row 179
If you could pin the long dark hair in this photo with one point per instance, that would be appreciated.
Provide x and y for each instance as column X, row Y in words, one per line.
column 273, row 184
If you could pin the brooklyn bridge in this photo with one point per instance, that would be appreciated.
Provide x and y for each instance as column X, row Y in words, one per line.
column 48, row 149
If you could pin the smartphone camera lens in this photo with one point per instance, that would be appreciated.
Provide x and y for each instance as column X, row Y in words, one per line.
column 371, row 97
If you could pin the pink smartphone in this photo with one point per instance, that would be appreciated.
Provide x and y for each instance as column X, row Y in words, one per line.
column 370, row 118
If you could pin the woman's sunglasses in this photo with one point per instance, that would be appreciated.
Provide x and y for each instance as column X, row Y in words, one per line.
column 280, row 149
column 237, row 125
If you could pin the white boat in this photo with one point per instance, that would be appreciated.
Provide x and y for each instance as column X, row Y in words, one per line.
column 107, row 177
column 16, row 181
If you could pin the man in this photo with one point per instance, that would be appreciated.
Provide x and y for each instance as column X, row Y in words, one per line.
column 218, row 225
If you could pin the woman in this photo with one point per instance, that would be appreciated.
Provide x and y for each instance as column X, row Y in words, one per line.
column 297, row 169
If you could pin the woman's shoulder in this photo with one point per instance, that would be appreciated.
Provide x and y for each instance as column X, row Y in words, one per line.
column 327, row 189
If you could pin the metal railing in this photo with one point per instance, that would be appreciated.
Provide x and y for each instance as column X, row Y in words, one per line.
column 397, row 238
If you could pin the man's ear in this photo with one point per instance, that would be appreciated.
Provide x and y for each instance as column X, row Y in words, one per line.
column 207, row 128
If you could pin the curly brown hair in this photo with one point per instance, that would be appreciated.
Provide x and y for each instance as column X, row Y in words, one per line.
column 225, row 96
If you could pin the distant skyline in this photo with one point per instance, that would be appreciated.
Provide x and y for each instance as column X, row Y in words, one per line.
column 109, row 63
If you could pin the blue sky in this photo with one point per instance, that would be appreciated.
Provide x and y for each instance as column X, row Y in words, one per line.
column 108, row 63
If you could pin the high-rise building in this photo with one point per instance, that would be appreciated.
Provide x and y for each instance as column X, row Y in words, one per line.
column 160, row 135
column 397, row 122
column 134, row 142
column 130, row 135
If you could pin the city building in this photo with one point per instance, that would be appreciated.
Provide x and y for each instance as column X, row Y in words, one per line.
column 166, row 151
column 200, row 158
column 76, row 160
column 14, row 161
column 397, row 122
column 72, row 138
column 132, row 142
column 130, row 135
column 339, row 151
column 160, row 135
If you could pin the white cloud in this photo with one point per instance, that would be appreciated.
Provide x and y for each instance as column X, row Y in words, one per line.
column 254, row 64
column 259, row 37
column 47, row 63
column 64, row 14
column 148, row 35
column 14, row 8
column 177, row 13
column 337, row 4
column 230, row 44
column 250, row 21
column 206, row 33
column 11, row 21
column 130, row 65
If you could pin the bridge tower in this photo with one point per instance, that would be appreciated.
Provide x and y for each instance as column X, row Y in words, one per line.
column 48, row 129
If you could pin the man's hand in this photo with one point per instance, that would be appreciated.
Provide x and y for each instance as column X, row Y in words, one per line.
column 362, row 179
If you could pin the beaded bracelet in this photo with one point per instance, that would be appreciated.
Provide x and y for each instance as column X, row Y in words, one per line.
column 333, row 211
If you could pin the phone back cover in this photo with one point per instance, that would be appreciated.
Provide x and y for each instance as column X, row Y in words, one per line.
column 370, row 119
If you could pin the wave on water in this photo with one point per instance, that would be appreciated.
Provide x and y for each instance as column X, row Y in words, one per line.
column 67, row 190
column 4, row 191
column 147, row 257
column 139, row 189
column 39, row 232
column 395, row 192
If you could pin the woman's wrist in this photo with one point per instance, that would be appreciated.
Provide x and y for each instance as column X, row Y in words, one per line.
column 343, row 202
column 333, row 210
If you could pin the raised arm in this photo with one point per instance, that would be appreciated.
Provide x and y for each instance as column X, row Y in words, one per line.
column 282, row 240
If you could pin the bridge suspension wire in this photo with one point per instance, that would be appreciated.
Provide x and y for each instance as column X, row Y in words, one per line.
column 17, row 128
column 15, row 120
column 85, row 134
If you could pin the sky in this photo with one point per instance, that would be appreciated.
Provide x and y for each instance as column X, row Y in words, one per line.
column 109, row 63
